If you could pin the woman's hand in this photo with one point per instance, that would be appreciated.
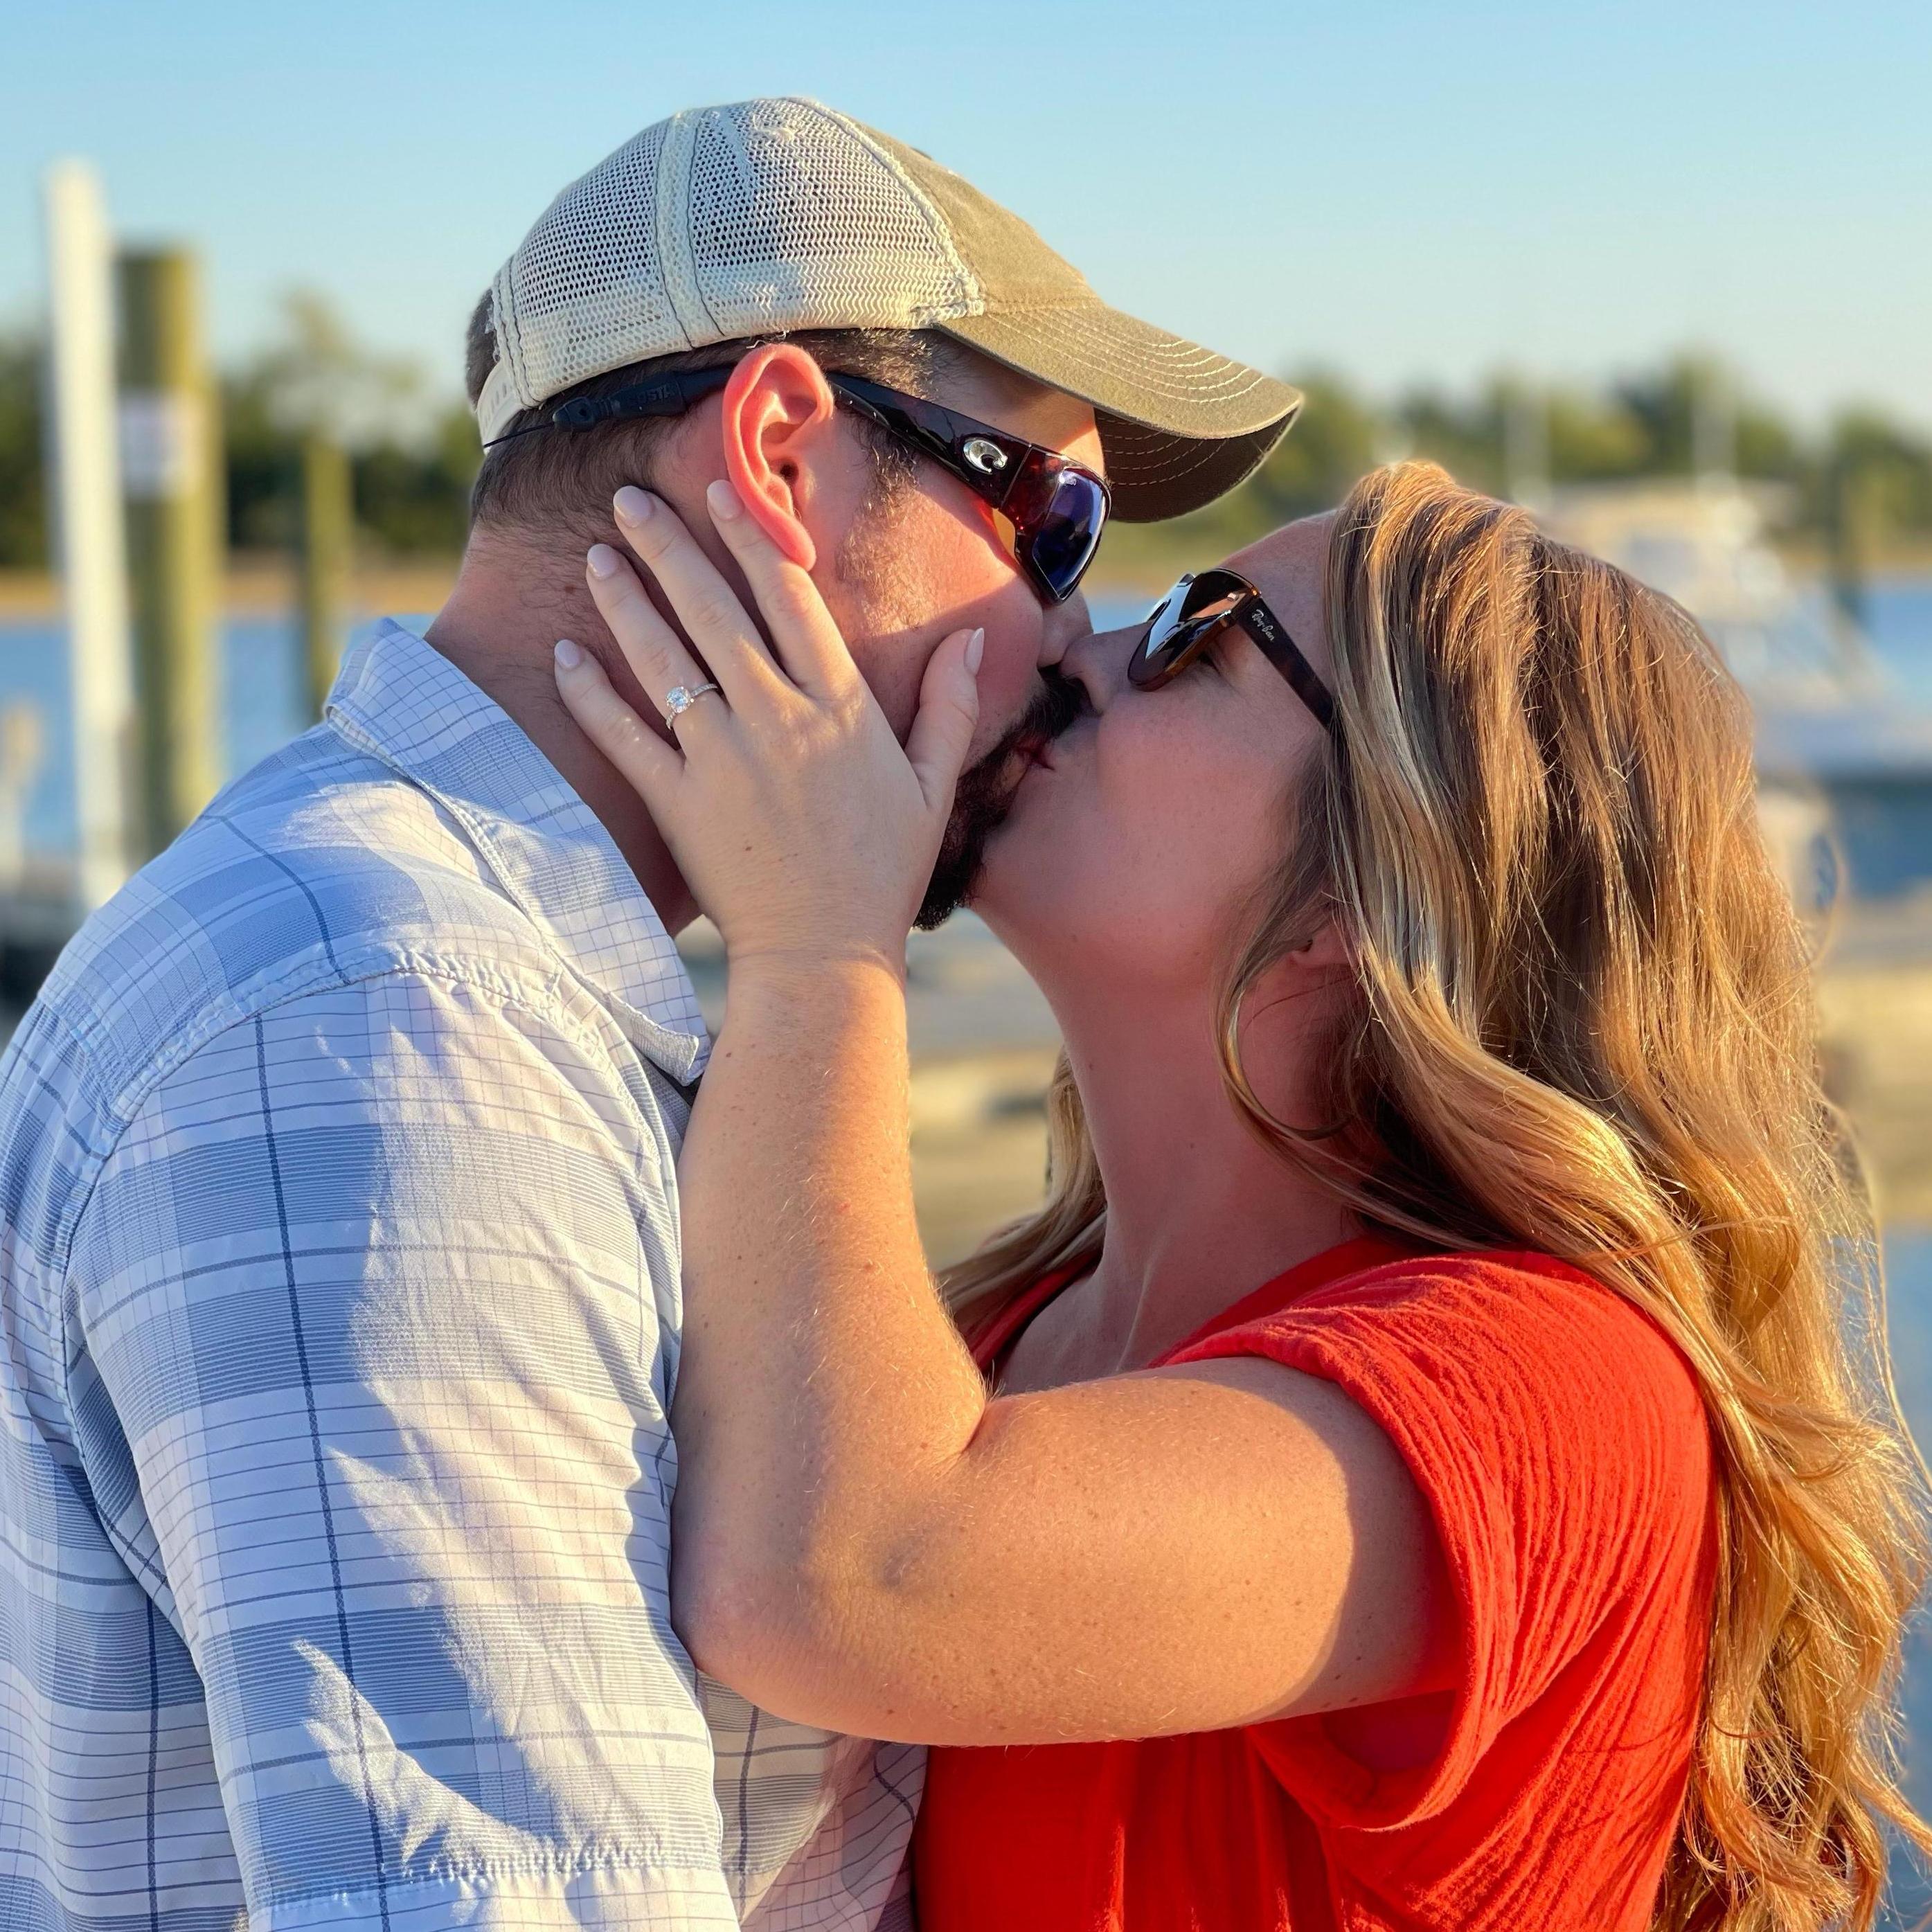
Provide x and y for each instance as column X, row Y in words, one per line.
column 802, row 826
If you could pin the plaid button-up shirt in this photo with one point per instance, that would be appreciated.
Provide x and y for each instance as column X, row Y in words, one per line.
column 339, row 1277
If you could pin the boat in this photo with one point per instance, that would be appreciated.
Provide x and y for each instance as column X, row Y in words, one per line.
column 1844, row 761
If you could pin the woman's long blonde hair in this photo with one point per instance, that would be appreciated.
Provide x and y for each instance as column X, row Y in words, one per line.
column 1584, row 1025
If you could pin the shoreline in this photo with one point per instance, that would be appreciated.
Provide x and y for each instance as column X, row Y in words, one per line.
column 260, row 585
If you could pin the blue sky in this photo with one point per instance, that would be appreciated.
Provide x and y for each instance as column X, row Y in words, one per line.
column 1402, row 190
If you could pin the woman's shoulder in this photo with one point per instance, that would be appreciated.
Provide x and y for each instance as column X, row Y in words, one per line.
column 1520, row 1300
column 1501, row 1346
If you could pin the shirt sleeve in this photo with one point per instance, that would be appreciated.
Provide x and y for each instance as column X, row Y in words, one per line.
column 378, row 1289
column 1560, row 1442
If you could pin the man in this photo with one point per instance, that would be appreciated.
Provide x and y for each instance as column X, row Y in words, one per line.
column 340, row 1278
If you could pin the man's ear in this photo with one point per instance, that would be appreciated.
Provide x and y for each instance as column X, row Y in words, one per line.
column 777, row 416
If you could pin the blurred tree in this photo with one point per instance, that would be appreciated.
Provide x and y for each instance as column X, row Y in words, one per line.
column 316, row 376
column 1465, row 434
column 1336, row 437
column 1767, row 448
column 1593, row 439
column 413, row 453
column 412, row 458
column 264, row 460
column 414, row 499
column 1693, row 401
column 1892, row 465
column 23, row 521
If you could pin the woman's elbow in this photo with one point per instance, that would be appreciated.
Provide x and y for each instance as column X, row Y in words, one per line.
column 766, row 1626
column 730, row 1610
column 817, row 1647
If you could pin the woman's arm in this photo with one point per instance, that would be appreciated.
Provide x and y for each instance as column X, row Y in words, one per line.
column 862, row 1540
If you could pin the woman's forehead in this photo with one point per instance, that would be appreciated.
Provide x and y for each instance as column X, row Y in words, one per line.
column 1287, row 566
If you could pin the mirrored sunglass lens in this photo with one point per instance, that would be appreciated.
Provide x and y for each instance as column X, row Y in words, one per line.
column 1159, row 650
column 1165, row 615
column 1208, row 596
column 1069, row 531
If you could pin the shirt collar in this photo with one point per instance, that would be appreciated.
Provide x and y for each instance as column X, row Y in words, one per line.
column 402, row 701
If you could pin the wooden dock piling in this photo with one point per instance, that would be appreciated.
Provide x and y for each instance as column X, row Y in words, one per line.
column 83, row 467
column 171, row 472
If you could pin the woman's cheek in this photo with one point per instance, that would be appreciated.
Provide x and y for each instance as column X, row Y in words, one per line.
column 1182, row 831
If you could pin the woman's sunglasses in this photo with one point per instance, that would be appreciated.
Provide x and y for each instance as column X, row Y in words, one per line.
column 1200, row 608
column 1055, row 508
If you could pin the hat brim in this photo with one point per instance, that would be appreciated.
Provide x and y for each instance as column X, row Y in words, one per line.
column 1180, row 424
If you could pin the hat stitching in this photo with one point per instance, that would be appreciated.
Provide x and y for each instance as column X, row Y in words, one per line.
column 1188, row 457
column 971, row 289
column 1238, row 379
column 1098, row 349
column 677, row 260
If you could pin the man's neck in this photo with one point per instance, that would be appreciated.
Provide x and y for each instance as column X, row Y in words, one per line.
column 511, row 601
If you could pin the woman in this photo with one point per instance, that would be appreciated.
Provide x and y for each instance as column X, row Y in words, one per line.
column 1423, row 1476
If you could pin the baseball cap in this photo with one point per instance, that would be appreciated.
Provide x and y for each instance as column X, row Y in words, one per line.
column 727, row 223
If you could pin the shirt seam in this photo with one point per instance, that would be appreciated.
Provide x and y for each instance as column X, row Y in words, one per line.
column 490, row 1871
column 388, row 963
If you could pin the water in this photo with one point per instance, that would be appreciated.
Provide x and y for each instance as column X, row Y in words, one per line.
column 1909, row 1261
column 1900, row 618
column 263, row 682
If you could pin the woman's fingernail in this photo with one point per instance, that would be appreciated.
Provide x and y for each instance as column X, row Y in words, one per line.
column 976, row 650
column 725, row 501
column 567, row 654
column 633, row 505
column 602, row 560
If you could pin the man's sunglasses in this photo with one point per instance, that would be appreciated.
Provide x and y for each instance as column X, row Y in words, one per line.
column 1204, row 607
column 1055, row 507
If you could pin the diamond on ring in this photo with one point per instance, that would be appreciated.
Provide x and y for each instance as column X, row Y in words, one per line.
column 681, row 698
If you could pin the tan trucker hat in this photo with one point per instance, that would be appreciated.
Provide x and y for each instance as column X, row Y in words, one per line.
column 771, row 215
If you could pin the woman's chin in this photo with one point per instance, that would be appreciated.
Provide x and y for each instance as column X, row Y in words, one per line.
column 1008, row 888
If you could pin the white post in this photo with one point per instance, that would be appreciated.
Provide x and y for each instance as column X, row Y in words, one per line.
column 86, row 495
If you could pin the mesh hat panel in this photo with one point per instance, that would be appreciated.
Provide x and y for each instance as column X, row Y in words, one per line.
column 586, row 283
column 795, row 222
column 1030, row 275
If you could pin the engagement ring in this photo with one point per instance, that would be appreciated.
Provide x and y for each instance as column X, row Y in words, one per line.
column 681, row 698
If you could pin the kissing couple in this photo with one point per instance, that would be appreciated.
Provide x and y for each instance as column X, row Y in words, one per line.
column 484, row 1453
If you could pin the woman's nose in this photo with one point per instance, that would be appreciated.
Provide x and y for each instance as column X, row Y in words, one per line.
column 1098, row 663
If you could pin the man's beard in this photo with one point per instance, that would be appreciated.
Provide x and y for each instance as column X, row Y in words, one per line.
column 985, row 796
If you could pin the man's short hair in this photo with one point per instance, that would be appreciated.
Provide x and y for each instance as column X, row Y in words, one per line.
column 563, row 479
